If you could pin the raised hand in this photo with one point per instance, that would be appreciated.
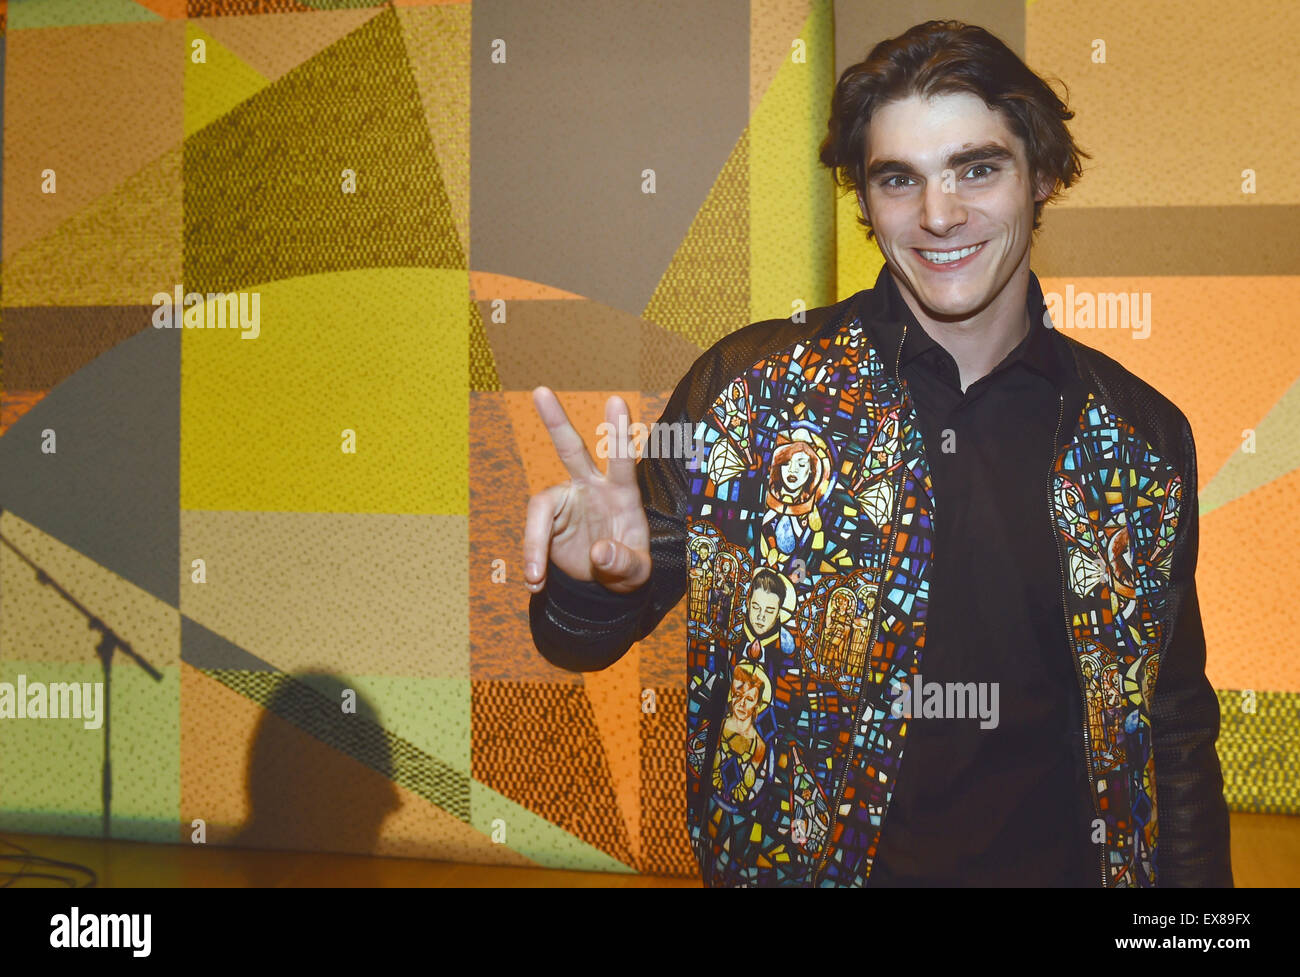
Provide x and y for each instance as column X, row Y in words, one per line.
column 593, row 527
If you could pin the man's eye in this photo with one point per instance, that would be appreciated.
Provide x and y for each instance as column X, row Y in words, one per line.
column 982, row 166
column 889, row 181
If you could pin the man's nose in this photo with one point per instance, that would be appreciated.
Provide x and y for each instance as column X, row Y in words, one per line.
column 942, row 210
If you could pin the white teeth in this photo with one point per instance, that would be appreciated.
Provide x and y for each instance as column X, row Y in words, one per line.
column 943, row 257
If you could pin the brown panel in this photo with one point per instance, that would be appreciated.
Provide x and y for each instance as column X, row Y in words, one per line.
column 573, row 343
column 43, row 346
column 1183, row 241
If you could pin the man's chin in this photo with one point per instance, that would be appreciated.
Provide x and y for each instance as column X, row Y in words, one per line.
column 950, row 300
column 953, row 307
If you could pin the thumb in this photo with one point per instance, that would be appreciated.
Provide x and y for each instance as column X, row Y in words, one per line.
column 613, row 562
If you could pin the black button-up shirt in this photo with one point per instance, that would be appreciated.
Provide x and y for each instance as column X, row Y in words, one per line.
column 1006, row 805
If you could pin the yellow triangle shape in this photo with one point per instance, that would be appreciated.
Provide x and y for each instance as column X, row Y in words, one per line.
column 712, row 260
column 216, row 85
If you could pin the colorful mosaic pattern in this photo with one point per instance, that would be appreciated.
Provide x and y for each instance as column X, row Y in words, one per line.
column 796, row 626
column 1117, row 505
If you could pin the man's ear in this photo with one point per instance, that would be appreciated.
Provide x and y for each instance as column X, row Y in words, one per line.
column 1044, row 187
column 862, row 206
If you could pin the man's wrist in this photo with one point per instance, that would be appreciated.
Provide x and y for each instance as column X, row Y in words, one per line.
column 590, row 600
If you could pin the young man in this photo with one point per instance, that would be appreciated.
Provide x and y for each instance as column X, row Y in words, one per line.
column 971, row 541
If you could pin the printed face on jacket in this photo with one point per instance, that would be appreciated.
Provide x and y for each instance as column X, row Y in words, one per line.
column 796, row 471
column 953, row 231
column 748, row 689
column 764, row 606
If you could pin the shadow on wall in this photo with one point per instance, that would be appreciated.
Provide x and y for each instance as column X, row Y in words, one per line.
column 319, row 778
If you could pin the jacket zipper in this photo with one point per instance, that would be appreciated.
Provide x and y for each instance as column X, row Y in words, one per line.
column 850, row 754
column 1069, row 631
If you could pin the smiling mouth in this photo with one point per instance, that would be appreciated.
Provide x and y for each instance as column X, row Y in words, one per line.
column 949, row 257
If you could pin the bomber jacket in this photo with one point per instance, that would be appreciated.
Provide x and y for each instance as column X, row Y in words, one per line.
column 792, row 755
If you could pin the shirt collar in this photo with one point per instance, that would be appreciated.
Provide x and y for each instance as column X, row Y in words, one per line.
column 1042, row 350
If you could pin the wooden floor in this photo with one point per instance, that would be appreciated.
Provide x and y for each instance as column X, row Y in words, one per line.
column 1265, row 852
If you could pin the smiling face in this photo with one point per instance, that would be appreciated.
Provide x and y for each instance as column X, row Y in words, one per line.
column 926, row 220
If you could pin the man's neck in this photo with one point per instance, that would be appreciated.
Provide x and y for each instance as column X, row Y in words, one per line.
column 981, row 342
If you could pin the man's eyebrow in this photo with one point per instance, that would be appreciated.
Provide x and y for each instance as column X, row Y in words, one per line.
column 987, row 153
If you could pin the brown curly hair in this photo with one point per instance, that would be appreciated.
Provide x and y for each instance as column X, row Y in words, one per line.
column 942, row 57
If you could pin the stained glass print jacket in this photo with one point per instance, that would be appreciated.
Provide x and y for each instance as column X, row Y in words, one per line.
column 800, row 532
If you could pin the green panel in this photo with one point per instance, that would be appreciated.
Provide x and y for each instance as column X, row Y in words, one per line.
column 50, row 768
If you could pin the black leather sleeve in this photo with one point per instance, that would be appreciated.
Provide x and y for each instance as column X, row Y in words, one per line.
column 1193, row 849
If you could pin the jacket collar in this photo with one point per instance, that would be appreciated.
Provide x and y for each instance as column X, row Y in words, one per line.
column 884, row 312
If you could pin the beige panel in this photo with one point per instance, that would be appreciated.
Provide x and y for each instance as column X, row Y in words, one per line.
column 348, row 593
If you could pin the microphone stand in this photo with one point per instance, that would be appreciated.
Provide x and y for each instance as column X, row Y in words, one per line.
column 109, row 641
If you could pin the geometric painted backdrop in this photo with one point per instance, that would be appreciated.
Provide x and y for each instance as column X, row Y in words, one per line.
column 200, row 500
